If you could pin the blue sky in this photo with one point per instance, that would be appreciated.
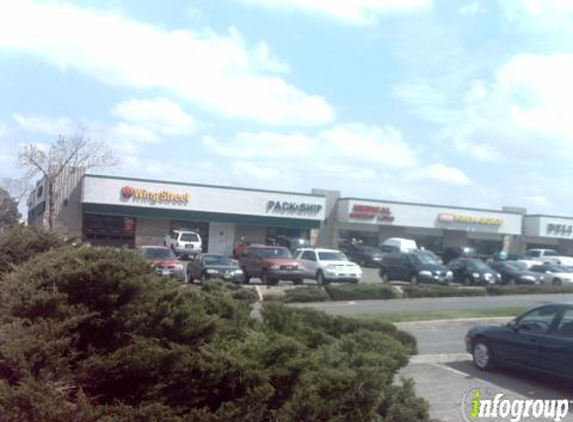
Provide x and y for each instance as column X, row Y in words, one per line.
column 452, row 102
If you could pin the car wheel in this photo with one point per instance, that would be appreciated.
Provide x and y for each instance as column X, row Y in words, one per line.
column 265, row 276
column 204, row 278
column 483, row 355
column 467, row 281
column 414, row 279
column 246, row 276
column 511, row 282
column 557, row 282
column 320, row 280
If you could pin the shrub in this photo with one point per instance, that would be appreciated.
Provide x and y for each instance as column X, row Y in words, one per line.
column 527, row 290
column 92, row 334
column 23, row 242
column 441, row 291
column 306, row 294
column 361, row 291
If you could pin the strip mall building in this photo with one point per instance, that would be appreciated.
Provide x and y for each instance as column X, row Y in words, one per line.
column 106, row 210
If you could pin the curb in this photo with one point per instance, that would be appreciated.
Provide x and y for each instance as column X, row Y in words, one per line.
column 441, row 322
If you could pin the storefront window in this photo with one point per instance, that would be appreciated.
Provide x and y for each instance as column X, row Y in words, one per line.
column 105, row 230
column 284, row 236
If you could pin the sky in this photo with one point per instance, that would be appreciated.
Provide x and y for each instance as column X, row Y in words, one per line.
column 456, row 102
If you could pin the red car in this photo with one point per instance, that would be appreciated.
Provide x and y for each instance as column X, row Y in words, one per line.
column 271, row 264
column 163, row 261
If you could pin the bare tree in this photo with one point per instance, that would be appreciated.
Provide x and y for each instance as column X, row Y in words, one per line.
column 17, row 189
column 77, row 152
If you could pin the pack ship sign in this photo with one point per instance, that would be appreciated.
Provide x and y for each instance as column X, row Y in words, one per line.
column 470, row 219
column 154, row 197
column 293, row 208
column 369, row 213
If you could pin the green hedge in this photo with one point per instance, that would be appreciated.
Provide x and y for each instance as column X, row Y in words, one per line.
column 440, row 291
column 527, row 290
column 92, row 334
column 361, row 291
column 306, row 294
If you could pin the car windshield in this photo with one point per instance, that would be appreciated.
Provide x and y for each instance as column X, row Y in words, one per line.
column 158, row 253
column 424, row 258
column 218, row 260
column 518, row 266
column 370, row 250
column 274, row 253
column 189, row 237
column 332, row 256
column 558, row 269
column 477, row 265
column 550, row 253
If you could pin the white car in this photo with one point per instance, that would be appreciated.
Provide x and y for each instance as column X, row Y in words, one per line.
column 401, row 244
column 326, row 265
column 550, row 256
column 184, row 242
column 553, row 274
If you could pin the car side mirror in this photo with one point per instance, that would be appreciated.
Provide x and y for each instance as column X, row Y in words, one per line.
column 512, row 324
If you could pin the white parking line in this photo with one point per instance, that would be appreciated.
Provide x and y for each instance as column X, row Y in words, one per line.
column 440, row 358
column 447, row 368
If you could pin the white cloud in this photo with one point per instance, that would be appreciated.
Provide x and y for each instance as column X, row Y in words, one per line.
column 445, row 174
column 547, row 15
column 159, row 114
column 349, row 142
column 350, row 12
column 249, row 171
column 35, row 123
column 124, row 132
column 220, row 73
column 472, row 9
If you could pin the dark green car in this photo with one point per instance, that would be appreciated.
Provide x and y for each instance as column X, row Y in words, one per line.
column 540, row 340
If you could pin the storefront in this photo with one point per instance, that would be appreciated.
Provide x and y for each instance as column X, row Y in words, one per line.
column 548, row 232
column 433, row 227
column 134, row 212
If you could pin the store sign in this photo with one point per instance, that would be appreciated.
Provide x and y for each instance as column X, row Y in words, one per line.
column 559, row 229
column 154, row 197
column 470, row 219
column 368, row 213
column 292, row 208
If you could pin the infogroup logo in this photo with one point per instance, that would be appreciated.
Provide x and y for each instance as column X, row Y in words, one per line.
column 481, row 404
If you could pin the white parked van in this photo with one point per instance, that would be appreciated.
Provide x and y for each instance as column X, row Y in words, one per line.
column 400, row 244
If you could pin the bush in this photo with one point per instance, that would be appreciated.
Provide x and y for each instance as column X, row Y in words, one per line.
column 23, row 242
column 306, row 294
column 527, row 290
column 92, row 334
column 441, row 291
column 361, row 291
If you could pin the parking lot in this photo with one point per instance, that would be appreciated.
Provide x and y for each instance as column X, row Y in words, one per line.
column 444, row 373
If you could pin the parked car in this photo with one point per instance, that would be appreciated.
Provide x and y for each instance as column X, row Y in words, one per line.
column 403, row 245
column 413, row 267
column 271, row 264
column 183, row 242
column 550, row 256
column 515, row 272
column 163, row 261
column 473, row 271
column 205, row 267
column 326, row 265
column 292, row 243
column 430, row 254
column 540, row 341
column 553, row 274
column 364, row 255
column 454, row 252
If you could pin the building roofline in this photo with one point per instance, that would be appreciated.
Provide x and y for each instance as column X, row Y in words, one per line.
column 420, row 204
column 135, row 179
column 549, row 216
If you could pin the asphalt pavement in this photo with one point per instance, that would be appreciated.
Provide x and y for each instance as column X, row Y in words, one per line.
column 370, row 307
column 444, row 373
